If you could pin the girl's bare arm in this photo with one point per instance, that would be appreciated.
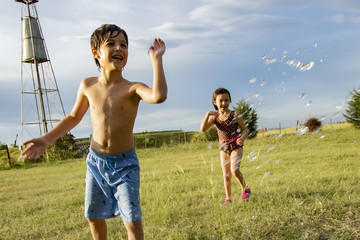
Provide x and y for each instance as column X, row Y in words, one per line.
column 208, row 120
column 244, row 129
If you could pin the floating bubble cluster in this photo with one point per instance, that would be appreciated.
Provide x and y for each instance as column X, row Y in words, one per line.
column 299, row 65
column 302, row 60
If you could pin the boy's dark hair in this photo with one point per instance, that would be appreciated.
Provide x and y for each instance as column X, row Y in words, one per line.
column 218, row 92
column 103, row 33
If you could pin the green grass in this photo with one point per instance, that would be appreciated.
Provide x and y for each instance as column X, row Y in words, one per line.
column 303, row 187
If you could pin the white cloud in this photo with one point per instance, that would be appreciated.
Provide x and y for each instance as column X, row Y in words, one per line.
column 355, row 20
column 338, row 19
column 233, row 19
column 75, row 38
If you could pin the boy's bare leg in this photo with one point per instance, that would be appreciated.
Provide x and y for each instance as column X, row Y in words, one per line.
column 98, row 228
column 134, row 230
column 225, row 164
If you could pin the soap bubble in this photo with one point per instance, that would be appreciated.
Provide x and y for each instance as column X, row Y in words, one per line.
column 270, row 60
column 302, row 96
column 253, row 79
column 307, row 66
column 270, row 148
column 302, row 131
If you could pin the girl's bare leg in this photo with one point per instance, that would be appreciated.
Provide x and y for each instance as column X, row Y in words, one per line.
column 225, row 164
column 98, row 228
column 236, row 157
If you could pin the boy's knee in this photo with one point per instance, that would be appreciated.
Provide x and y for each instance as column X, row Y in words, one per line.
column 134, row 229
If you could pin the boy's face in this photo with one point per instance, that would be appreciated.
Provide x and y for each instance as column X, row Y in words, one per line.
column 113, row 53
column 222, row 101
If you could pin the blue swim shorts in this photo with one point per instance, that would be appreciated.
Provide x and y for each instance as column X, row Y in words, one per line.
column 112, row 186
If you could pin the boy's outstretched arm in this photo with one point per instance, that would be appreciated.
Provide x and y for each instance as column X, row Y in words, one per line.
column 158, row 93
column 36, row 146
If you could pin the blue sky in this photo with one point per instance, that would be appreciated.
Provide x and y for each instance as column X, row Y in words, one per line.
column 255, row 48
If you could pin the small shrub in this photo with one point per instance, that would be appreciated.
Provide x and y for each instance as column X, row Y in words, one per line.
column 209, row 135
column 63, row 148
column 313, row 124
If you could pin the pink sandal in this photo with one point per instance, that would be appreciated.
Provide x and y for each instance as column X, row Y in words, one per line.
column 246, row 194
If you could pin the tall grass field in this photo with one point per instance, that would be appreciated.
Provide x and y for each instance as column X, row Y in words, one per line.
column 303, row 187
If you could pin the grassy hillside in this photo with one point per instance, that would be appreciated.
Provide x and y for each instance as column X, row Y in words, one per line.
column 304, row 187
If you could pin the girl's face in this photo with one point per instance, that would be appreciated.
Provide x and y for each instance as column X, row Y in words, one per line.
column 113, row 53
column 222, row 102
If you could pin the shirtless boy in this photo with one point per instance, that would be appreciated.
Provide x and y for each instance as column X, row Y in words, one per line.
column 112, row 178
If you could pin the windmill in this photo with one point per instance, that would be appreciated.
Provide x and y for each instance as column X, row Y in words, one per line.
column 41, row 104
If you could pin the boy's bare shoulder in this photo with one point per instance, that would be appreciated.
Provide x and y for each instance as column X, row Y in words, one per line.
column 87, row 82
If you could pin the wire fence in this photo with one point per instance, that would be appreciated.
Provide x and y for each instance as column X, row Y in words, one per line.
column 145, row 140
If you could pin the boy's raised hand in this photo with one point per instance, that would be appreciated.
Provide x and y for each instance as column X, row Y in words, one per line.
column 35, row 147
column 158, row 48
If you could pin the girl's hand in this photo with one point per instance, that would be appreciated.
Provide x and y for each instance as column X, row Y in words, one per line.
column 240, row 141
column 158, row 48
column 215, row 113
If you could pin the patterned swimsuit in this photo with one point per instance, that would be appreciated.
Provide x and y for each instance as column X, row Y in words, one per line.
column 227, row 131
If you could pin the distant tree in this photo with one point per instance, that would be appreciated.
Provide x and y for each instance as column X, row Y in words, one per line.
column 353, row 110
column 249, row 116
column 313, row 124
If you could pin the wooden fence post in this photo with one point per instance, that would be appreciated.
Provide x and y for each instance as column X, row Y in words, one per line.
column 5, row 147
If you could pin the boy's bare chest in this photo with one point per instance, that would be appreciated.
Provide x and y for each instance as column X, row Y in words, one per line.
column 110, row 100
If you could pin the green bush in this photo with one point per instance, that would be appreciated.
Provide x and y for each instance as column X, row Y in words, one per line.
column 63, row 148
column 209, row 135
column 162, row 138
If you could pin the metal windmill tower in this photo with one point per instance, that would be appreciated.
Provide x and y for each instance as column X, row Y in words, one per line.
column 41, row 104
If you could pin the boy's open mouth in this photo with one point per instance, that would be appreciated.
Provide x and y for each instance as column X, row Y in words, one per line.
column 118, row 58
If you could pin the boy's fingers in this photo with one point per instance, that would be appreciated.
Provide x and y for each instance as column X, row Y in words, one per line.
column 27, row 142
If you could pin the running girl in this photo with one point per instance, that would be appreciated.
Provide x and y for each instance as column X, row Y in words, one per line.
column 231, row 143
